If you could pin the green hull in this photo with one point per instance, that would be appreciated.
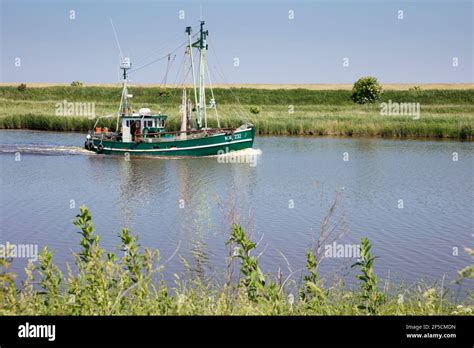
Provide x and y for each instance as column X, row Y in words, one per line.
column 206, row 146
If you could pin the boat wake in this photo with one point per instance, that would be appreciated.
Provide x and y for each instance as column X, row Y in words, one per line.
column 240, row 153
column 56, row 150
column 52, row 150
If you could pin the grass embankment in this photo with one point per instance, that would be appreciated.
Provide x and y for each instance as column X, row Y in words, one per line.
column 444, row 113
column 128, row 282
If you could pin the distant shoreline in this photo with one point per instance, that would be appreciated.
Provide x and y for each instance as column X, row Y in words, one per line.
column 315, row 87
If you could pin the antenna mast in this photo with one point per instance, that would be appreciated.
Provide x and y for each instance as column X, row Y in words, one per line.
column 190, row 48
column 124, row 106
column 202, row 66
column 201, row 45
column 124, row 65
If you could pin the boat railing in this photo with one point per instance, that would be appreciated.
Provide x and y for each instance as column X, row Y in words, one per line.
column 205, row 131
column 106, row 135
column 103, row 135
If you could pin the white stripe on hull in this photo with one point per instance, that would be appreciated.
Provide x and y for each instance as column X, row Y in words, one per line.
column 178, row 148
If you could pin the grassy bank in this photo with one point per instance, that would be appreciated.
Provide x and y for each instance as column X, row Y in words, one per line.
column 443, row 113
column 130, row 282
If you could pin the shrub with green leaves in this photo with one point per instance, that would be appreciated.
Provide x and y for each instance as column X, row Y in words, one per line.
column 7, row 278
column 253, row 279
column 312, row 291
column 468, row 271
column 366, row 90
column 164, row 93
column 371, row 297
column 254, row 110
column 415, row 91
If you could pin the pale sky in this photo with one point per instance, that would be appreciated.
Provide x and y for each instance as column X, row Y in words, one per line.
column 431, row 43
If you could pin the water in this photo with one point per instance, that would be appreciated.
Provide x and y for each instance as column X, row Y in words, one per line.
column 184, row 204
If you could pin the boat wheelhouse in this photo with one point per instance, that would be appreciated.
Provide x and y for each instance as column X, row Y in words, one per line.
column 142, row 125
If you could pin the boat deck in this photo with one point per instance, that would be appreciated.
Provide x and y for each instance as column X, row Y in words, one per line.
column 166, row 136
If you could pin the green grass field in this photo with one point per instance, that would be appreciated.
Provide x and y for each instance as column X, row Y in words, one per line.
column 443, row 113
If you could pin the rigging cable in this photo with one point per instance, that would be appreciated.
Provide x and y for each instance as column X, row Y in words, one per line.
column 169, row 64
column 212, row 95
column 239, row 104
column 116, row 39
column 158, row 59
column 160, row 47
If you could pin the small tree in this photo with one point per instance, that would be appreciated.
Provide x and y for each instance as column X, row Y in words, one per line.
column 22, row 87
column 76, row 84
column 164, row 93
column 415, row 91
column 366, row 90
column 255, row 110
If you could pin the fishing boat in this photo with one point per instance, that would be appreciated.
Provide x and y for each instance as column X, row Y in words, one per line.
column 145, row 133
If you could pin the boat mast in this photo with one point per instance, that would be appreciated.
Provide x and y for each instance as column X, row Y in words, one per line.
column 202, row 65
column 201, row 45
column 124, row 107
column 190, row 48
column 184, row 115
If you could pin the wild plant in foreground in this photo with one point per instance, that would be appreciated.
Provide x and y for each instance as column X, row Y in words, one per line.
column 371, row 297
column 125, row 283
column 7, row 279
column 103, row 283
column 253, row 279
column 312, row 292
column 89, row 240
column 468, row 271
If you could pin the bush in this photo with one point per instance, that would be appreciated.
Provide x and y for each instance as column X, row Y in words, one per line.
column 255, row 110
column 415, row 91
column 468, row 271
column 76, row 84
column 366, row 90
column 164, row 93
column 466, row 131
column 22, row 87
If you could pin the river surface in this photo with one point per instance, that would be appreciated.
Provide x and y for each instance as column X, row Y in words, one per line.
column 411, row 198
